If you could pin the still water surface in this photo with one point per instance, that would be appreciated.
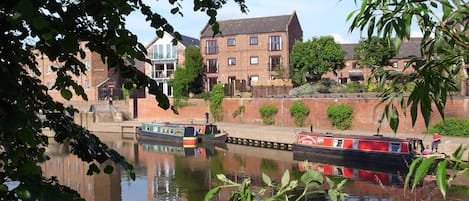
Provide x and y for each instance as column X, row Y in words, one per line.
column 169, row 172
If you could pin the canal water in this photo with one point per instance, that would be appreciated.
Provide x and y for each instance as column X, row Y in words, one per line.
column 169, row 172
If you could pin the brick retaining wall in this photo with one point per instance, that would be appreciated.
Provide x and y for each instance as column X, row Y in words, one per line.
column 363, row 112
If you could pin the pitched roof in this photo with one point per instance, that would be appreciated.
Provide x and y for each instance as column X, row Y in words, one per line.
column 408, row 48
column 185, row 40
column 250, row 25
column 189, row 41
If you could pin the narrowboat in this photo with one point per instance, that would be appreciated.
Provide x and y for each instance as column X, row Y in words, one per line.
column 210, row 133
column 168, row 132
column 375, row 149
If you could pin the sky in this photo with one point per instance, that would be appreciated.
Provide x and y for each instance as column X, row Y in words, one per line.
column 317, row 17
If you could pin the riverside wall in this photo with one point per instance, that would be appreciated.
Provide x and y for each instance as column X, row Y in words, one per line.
column 365, row 118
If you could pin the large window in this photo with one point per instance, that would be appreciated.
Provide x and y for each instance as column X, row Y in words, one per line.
column 231, row 61
column 212, row 66
column 275, row 43
column 212, row 47
column 231, row 42
column 274, row 62
column 253, row 40
column 164, row 51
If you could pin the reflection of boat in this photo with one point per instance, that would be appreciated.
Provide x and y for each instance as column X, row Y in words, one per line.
column 168, row 132
column 178, row 148
column 384, row 178
column 370, row 149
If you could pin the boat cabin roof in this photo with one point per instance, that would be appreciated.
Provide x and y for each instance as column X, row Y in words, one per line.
column 351, row 136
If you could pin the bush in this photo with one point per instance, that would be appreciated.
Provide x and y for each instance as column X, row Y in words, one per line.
column 267, row 114
column 354, row 87
column 216, row 99
column 451, row 127
column 340, row 116
column 305, row 89
column 299, row 111
column 205, row 96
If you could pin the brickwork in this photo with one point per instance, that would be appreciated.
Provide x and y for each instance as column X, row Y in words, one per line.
column 364, row 119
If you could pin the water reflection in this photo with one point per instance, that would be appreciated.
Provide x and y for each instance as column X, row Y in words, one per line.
column 173, row 172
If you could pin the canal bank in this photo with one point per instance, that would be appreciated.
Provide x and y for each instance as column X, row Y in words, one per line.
column 278, row 134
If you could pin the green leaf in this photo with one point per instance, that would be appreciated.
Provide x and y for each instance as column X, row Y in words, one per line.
column 211, row 193
column 108, row 169
column 422, row 171
column 92, row 168
column 285, row 178
column 67, row 94
column 441, row 177
column 411, row 172
column 266, row 179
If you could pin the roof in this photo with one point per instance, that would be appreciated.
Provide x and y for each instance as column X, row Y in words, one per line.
column 408, row 48
column 185, row 40
column 189, row 41
column 250, row 25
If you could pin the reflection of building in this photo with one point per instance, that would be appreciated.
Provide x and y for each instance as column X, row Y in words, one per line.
column 71, row 171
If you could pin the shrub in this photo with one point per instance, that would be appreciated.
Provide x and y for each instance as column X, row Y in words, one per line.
column 216, row 99
column 267, row 113
column 451, row 127
column 239, row 111
column 205, row 96
column 299, row 111
column 305, row 89
column 340, row 116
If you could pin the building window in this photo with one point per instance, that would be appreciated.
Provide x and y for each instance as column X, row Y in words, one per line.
column 231, row 42
column 253, row 40
column 87, row 65
column 87, row 84
column 255, row 60
column 253, row 78
column 49, row 85
column 49, row 69
column 231, row 61
column 272, row 77
column 212, row 47
column 274, row 62
column 212, row 66
column 394, row 64
column 275, row 43
column 354, row 65
column 164, row 51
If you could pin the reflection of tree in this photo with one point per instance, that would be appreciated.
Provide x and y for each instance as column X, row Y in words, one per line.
column 216, row 164
column 240, row 160
column 193, row 182
column 268, row 166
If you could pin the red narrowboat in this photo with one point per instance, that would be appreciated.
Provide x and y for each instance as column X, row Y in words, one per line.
column 376, row 149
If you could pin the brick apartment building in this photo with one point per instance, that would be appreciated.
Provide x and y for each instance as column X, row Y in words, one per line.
column 354, row 72
column 249, row 49
column 166, row 58
column 98, row 83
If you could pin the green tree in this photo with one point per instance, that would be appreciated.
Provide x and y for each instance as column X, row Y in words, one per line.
column 188, row 78
column 374, row 53
column 54, row 29
column 311, row 59
column 444, row 45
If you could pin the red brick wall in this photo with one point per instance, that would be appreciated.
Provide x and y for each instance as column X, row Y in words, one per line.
column 364, row 117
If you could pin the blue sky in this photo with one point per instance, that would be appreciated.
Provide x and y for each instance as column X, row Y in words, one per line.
column 317, row 17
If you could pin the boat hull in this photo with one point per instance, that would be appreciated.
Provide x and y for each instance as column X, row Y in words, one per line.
column 353, row 158
column 185, row 140
column 217, row 138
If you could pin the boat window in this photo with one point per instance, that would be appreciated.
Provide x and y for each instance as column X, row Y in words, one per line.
column 338, row 142
column 171, row 131
column 395, row 147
